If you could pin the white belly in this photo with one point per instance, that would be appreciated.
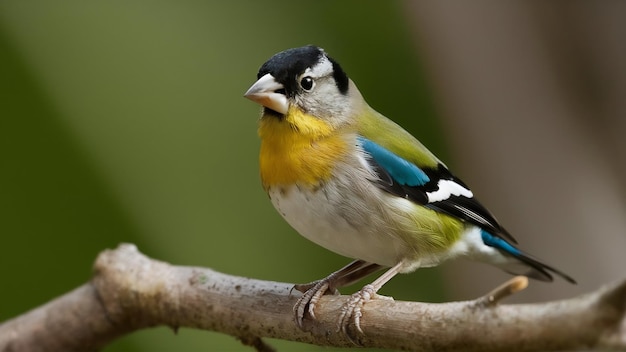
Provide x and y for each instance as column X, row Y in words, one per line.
column 320, row 219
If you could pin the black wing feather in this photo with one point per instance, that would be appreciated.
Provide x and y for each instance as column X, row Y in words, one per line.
column 464, row 208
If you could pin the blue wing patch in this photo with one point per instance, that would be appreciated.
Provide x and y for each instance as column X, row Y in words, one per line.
column 402, row 171
column 405, row 179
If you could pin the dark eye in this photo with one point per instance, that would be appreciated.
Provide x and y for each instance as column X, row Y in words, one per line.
column 306, row 83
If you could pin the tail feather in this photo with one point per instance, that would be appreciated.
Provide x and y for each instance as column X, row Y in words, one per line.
column 543, row 270
column 528, row 265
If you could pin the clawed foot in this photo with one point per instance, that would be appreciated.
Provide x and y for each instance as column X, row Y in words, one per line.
column 311, row 294
column 351, row 310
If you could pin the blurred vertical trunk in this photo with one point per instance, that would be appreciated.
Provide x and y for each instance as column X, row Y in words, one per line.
column 533, row 97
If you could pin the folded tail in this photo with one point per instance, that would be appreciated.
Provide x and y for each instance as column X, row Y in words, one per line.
column 527, row 265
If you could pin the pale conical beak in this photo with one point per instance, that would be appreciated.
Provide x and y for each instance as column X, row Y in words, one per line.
column 264, row 92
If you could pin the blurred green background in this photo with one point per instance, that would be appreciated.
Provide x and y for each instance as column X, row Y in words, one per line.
column 123, row 121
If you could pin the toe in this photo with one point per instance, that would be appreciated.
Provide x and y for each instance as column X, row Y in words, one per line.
column 351, row 311
column 308, row 301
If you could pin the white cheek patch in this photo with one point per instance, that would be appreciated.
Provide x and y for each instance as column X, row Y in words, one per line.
column 446, row 189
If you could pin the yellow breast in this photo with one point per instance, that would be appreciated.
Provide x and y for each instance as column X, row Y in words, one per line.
column 298, row 149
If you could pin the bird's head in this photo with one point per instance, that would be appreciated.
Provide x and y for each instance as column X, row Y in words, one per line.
column 307, row 80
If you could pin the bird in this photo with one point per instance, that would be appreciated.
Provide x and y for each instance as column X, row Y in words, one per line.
column 356, row 183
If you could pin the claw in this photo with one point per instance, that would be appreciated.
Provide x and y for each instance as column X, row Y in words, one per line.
column 352, row 310
column 309, row 299
column 304, row 287
column 313, row 291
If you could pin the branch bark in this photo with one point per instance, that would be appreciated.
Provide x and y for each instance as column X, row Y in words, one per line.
column 130, row 291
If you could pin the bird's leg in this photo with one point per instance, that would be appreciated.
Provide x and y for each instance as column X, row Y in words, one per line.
column 351, row 310
column 313, row 291
column 355, row 265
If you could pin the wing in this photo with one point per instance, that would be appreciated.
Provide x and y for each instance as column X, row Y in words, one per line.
column 431, row 186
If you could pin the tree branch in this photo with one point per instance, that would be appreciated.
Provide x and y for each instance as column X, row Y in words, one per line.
column 130, row 291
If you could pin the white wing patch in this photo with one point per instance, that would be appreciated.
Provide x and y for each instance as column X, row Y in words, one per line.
column 446, row 189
